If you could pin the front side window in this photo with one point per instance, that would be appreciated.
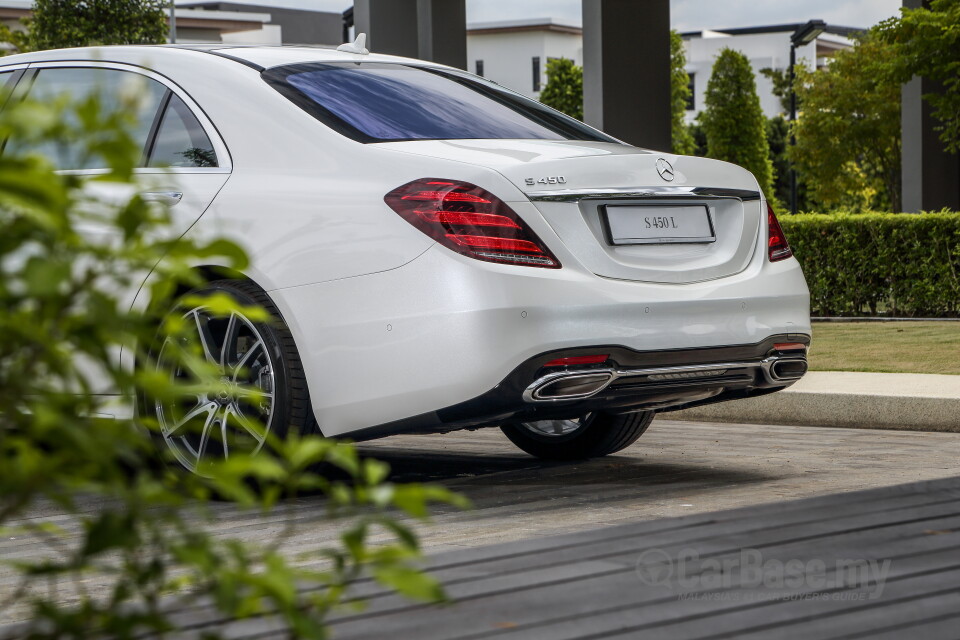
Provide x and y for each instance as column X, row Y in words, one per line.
column 385, row 102
column 115, row 90
column 181, row 140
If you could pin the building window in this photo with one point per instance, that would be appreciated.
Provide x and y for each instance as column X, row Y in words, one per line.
column 480, row 68
column 692, row 85
column 536, row 74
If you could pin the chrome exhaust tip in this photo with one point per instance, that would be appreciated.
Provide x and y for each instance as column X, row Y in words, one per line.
column 569, row 386
column 786, row 369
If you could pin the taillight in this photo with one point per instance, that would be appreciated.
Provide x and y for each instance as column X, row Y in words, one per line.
column 777, row 246
column 471, row 221
column 562, row 362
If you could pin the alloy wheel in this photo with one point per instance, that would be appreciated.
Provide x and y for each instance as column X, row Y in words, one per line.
column 557, row 428
column 235, row 415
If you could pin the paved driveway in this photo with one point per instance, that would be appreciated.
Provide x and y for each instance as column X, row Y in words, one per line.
column 676, row 468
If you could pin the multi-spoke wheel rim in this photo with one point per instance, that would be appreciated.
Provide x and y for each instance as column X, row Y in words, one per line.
column 556, row 428
column 235, row 415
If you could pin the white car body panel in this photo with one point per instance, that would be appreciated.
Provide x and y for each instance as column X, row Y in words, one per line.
column 447, row 349
column 390, row 325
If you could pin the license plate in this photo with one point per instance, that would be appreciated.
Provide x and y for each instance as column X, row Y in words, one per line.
column 660, row 224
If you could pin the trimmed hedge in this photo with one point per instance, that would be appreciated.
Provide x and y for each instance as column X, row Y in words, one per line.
column 892, row 264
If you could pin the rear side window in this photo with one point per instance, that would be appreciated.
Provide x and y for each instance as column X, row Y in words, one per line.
column 383, row 102
column 6, row 84
column 180, row 141
column 109, row 86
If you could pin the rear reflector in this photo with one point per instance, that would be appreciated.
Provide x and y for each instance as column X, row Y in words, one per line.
column 790, row 346
column 777, row 247
column 562, row 362
column 471, row 221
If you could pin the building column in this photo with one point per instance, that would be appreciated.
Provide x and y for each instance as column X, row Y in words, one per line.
column 931, row 176
column 442, row 31
column 626, row 70
column 390, row 25
column 433, row 30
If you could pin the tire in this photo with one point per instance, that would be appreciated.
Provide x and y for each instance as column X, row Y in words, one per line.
column 590, row 436
column 264, row 386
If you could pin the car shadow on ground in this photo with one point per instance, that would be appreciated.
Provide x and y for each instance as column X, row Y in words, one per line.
column 462, row 469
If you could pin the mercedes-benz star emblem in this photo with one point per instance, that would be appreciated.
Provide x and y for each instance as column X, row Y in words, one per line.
column 665, row 169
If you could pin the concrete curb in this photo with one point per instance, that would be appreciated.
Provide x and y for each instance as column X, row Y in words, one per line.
column 916, row 402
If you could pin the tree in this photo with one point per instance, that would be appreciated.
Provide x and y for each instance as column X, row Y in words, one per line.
column 18, row 40
column 681, row 137
column 780, row 78
column 136, row 531
column 564, row 88
column 848, row 136
column 778, row 137
column 926, row 42
column 79, row 23
column 733, row 120
column 695, row 129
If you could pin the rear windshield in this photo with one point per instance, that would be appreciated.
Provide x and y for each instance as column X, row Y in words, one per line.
column 384, row 102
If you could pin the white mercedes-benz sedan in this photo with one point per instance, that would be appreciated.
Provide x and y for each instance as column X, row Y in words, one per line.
column 442, row 253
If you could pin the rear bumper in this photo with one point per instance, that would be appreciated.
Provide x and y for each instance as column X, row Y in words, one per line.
column 439, row 332
column 632, row 381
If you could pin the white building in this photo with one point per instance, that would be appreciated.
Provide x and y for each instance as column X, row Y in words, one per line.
column 766, row 48
column 515, row 53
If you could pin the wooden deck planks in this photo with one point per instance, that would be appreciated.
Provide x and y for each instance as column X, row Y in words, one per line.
column 587, row 585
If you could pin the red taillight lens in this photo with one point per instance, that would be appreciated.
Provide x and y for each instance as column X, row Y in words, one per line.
column 471, row 221
column 789, row 346
column 777, row 247
column 563, row 362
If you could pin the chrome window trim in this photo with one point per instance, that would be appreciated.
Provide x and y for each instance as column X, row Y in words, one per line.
column 224, row 158
column 576, row 195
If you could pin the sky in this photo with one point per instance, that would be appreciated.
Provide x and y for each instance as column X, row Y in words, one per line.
column 685, row 15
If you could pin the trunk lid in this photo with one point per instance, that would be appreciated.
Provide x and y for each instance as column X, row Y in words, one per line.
column 606, row 201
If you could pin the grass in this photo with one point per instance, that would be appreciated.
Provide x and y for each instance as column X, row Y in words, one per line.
column 887, row 347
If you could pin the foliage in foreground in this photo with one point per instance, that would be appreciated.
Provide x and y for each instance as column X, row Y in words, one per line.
column 142, row 524
column 564, row 88
column 895, row 264
column 733, row 121
column 848, row 136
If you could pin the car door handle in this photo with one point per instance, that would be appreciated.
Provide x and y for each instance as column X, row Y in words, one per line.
column 169, row 198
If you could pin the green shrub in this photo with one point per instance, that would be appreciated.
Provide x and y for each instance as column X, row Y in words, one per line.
column 564, row 88
column 894, row 264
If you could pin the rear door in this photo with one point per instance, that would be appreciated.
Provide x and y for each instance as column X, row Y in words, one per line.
column 184, row 163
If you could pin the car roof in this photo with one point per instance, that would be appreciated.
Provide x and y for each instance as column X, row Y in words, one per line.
column 259, row 57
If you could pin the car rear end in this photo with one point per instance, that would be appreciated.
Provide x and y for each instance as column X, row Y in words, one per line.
column 568, row 272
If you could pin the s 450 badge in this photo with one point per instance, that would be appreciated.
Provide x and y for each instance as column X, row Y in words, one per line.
column 547, row 180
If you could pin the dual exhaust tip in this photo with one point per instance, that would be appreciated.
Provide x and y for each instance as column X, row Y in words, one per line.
column 577, row 385
column 573, row 386
column 785, row 369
